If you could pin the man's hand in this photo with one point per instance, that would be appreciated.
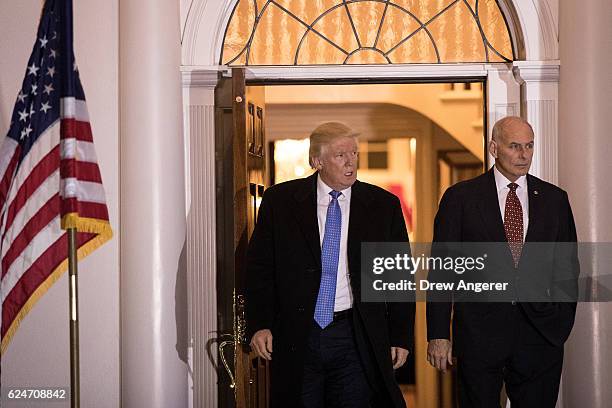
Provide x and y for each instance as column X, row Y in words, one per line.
column 440, row 353
column 262, row 343
column 398, row 356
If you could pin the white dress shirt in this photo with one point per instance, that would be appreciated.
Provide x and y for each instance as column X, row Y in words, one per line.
column 344, row 297
column 522, row 193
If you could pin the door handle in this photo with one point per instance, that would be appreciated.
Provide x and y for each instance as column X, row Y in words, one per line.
column 222, row 346
column 240, row 305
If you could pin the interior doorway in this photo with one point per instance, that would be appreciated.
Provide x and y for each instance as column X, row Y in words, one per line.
column 415, row 141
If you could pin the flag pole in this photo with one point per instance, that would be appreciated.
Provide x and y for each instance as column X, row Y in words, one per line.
column 75, row 392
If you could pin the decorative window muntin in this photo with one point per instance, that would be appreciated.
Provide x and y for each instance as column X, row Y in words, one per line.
column 331, row 32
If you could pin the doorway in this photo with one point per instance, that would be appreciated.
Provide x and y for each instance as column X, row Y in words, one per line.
column 406, row 130
column 526, row 87
column 416, row 140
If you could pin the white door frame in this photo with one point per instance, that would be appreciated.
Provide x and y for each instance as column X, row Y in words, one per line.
column 524, row 88
column 528, row 88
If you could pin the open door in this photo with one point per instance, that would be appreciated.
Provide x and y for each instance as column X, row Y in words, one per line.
column 240, row 155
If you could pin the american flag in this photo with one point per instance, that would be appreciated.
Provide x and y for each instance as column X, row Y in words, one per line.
column 49, row 176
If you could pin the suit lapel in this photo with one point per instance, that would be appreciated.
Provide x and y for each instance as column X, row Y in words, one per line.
column 359, row 212
column 489, row 208
column 536, row 209
column 306, row 214
column 357, row 230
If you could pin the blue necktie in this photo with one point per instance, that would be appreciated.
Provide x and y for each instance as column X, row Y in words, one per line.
column 330, row 253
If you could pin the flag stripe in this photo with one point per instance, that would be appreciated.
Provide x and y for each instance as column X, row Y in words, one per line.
column 73, row 129
column 31, row 279
column 85, row 209
column 83, row 190
column 36, row 275
column 5, row 184
column 45, row 143
column 34, row 225
column 83, row 171
column 77, row 149
column 7, row 152
column 37, row 176
column 36, row 247
column 73, row 108
column 48, row 189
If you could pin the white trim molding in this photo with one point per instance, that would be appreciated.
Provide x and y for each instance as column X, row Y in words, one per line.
column 503, row 97
column 538, row 23
column 374, row 72
column 199, row 77
column 202, row 43
column 538, row 71
column 534, row 25
column 199, row 139
column 540, row 88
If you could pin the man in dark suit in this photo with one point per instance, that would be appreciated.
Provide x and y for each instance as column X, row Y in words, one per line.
column 519, row 343
column 304, row 309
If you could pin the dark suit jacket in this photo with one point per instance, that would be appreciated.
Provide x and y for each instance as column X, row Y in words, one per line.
column 469, row 212
column 284, row 273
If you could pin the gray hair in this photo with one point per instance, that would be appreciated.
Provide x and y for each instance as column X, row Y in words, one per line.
column 501, row 125
column 325, row 134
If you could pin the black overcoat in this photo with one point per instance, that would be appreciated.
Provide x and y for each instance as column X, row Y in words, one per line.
column 469, row 212
column 284, row 273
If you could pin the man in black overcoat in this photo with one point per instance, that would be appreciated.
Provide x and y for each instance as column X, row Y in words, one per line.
column 519, row 343
column 304, row 310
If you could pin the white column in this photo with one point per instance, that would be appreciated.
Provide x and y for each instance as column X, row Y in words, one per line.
column 585, row 153
column 540, row 88
column 153, row 287
column 199, row 115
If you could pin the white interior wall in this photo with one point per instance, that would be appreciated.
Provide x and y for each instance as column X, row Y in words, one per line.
column 39, row 352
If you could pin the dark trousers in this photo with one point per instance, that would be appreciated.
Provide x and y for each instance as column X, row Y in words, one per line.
column 334, row 374
column 521, row 357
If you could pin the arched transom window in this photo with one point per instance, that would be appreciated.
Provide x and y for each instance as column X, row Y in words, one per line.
column 310, row 32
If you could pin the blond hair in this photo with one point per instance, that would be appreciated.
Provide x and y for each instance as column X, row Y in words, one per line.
column 325, row 134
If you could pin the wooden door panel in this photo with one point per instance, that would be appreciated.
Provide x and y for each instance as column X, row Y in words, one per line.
column 239, row 193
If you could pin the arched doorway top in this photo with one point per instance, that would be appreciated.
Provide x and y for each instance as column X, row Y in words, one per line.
column 532, row 25
column 340, row 32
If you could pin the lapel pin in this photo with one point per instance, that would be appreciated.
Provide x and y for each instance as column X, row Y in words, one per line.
column 535, row 192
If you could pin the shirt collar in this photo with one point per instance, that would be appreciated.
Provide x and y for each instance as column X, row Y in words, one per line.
column 323, row 191
column 502, row 182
